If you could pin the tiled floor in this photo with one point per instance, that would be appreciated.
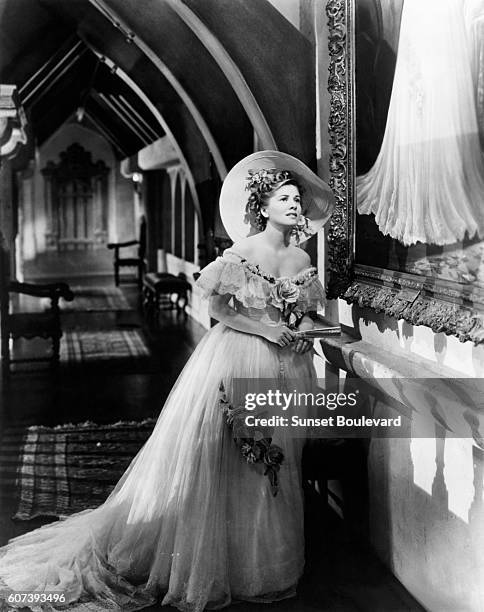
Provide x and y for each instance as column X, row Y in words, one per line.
column 340, row 576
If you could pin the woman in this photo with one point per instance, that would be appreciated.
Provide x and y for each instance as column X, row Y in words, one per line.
column 200, row 519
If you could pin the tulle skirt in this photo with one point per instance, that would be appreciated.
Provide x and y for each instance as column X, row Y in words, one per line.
column 190, row 523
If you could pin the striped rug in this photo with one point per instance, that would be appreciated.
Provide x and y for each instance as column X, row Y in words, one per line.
column 112, row 346
column 56, row 471
column 93, row 299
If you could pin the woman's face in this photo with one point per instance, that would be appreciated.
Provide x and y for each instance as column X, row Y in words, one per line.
column 283, row 206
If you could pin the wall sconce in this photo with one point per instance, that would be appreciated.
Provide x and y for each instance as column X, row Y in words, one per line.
column 80, row 113
column 137, row 178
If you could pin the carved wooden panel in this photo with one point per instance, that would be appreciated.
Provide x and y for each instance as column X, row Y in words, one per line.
column 76, row 200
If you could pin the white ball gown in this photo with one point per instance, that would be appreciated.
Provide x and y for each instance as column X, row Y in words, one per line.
column 191, row 523
column 427, row 184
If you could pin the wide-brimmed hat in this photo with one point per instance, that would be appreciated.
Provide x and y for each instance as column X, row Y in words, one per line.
column 318, row 199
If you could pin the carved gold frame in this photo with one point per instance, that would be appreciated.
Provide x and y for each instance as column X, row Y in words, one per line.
column 444, row 306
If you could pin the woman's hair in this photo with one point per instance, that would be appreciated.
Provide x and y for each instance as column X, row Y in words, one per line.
column 262, row 184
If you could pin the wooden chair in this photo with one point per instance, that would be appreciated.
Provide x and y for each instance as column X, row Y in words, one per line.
column 137, row 262
column 158, row 289
column 29, row 325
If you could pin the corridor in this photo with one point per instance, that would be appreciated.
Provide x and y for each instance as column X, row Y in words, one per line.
column 340, row 576
column 301, row 160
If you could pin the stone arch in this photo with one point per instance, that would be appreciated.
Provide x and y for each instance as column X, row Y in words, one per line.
column 177, row 249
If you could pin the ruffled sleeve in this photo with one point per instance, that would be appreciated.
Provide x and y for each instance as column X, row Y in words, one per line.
column 222, row 276
column 312, row 296
column 228, row 275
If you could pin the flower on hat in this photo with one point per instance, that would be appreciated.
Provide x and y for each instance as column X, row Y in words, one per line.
column 266, row 179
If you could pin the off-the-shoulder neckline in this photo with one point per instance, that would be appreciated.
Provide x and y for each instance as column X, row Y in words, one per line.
column 256, row 269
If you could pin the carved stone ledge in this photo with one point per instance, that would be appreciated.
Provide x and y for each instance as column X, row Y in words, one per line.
column 440, row 316
column 443, row 289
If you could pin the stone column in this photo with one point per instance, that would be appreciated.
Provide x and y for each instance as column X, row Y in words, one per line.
column 173, row 172
column 100, row 206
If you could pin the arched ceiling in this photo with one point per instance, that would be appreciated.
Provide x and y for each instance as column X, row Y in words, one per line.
column 276, row 61
column 74, row 79
column 215, row 70
column 61, row 74
column 147, row 77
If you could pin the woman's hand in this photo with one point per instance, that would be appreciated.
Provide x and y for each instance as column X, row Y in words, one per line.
column 302, row 345
column 279, row 334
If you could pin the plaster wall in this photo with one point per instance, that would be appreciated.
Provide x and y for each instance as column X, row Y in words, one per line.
column 289, row 9
column 28, row 238
column 426, row 487
column 123, row 225
column 198, row 307
column 8, row 229
column 425, row 521
column 161, row 155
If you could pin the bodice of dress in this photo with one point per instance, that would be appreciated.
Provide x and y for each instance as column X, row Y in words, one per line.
column 259, row 295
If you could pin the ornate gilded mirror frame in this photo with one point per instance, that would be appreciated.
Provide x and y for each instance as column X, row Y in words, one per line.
column 454, row 308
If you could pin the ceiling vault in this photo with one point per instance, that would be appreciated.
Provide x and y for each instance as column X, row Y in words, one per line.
column 132, row 38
